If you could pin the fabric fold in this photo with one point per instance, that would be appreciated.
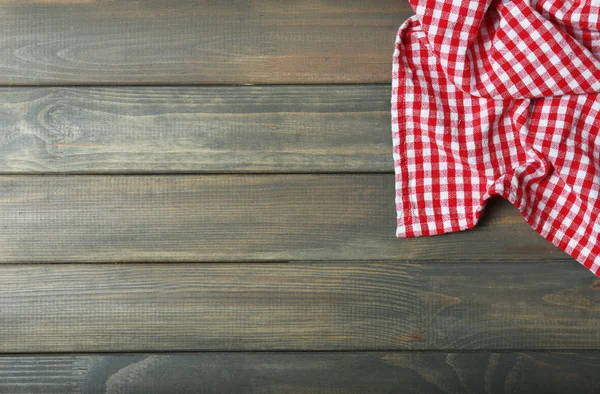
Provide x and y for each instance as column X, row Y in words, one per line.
column 499, row 98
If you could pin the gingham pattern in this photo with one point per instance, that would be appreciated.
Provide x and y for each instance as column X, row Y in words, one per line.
column 500, row 98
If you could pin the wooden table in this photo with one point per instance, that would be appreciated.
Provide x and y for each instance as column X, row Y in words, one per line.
column 198, row 196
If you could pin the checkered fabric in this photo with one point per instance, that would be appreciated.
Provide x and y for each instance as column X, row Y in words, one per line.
column 500, row 98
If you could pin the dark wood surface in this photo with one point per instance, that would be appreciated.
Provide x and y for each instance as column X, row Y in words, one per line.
column 190, row 42
column 195, row 129
column 325, row 372
column 253, row 226
column 298, row 306
column 198, row 218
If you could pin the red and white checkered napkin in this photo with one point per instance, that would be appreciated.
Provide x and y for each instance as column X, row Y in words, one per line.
column 500, row 98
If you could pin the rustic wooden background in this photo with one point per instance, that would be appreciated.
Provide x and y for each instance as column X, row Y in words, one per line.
column 197, row 196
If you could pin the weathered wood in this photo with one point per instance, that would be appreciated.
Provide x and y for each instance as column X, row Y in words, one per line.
column 376, row 372
column 235, row 218
column 195, row 129
column 298, row 306
column 178, row 41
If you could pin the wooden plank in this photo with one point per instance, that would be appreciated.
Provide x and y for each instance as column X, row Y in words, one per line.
column 195, row 129
column 235, row 218
column 372, row 372
column 178, row 41
column 297, row 306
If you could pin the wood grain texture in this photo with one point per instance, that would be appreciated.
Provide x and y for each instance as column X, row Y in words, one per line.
column 178, row 41
column 277, row 373
column 298, row 306
column 235, row 218
column 195, row 129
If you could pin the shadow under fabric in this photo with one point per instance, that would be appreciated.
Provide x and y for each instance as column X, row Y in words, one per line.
column 500, row 98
